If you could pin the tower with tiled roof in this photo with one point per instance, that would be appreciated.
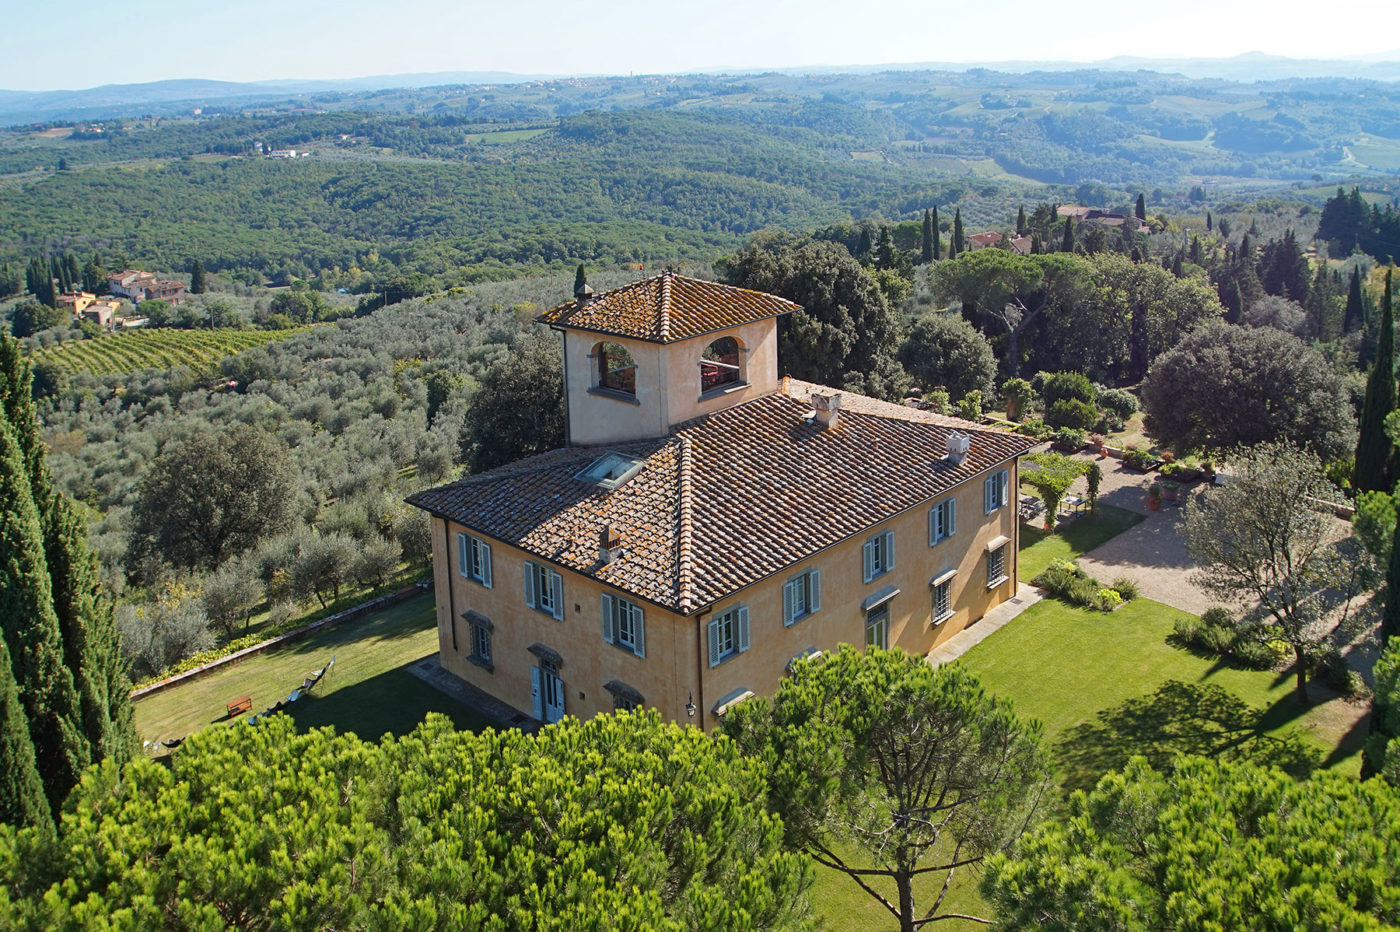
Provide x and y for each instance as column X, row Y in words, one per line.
column 642, row 358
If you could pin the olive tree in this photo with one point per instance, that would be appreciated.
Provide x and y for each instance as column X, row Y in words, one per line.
column 888, row 770
column 1268, row 538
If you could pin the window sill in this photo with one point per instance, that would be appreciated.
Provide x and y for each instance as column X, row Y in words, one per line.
column 630, row 651
column 547, row 613
column 486, row 665
column 997, row 582
column 939, row 619
column 614, row 395
column 720, row 391
column 725, row 659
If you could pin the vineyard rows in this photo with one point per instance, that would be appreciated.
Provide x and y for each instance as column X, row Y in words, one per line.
column 132, row 351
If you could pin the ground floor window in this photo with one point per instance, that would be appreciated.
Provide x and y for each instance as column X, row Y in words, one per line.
column 624, row 697
column 996, row 567
column 942, row 601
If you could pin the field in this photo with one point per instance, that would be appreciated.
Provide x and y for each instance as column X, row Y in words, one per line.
column 132, row 351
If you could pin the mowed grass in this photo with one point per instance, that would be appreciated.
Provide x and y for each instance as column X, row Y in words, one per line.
column 1039, row 548
column 368, row 691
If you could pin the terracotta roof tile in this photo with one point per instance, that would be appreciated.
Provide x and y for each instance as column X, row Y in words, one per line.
column 727, row 499
column 667, row 308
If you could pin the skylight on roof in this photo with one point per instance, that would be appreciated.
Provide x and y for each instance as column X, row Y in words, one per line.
column 611, row 470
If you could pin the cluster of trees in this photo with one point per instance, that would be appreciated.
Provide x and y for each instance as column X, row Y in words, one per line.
column 63, row 685
column 1348, row 223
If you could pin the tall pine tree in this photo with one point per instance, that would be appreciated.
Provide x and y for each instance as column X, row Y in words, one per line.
column 958, row 242
column 926, row 242
column 1021, row 220
column 937, row 245
column 1140, row 209
column 1067, row 243
column 1375, row 454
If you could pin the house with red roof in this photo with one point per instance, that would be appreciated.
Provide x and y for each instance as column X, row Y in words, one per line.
column 708, row 523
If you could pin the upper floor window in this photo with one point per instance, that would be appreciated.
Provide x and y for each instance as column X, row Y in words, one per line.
column 474, row 558
column 995, row 490
column 719, row 364
column 878, row 555
column 544, row 589
column 616, row 369
column 623, row 624
column 802, row 595
column 729, row 634
column 942, row 521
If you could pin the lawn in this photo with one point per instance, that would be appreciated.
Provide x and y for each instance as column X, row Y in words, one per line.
column 368, row 691
column 1065, row 666
column 1080, row 536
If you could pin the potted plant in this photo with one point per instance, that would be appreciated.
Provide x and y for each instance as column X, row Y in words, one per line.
column 1139, row 460
column 1154, row 498
column 1097, row 441
column 1169, row 490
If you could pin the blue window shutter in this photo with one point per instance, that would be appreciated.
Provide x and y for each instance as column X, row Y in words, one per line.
column 529, row 583
column 462, row 564
column 889, row 551
column 1004, row 478
column 987, row 488
column 607, row 618
column 743, row 626
column 714, row 643
column 951, row 519
column 814, row 597
column 535, row 697
column 787, row 602
column 867, row 553
column 556, row 585
column 639, row 626
column 486, row 565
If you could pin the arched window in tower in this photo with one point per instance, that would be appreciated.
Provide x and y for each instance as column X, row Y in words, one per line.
column 616, row 370
column 719, row 365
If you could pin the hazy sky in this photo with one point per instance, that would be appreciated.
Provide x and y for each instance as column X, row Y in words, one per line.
column 125, row 41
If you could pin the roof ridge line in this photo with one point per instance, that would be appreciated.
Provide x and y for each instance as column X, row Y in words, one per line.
column 685, row 562
column 663, row 317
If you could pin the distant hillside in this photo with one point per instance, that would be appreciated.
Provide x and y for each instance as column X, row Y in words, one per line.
column 167, row 98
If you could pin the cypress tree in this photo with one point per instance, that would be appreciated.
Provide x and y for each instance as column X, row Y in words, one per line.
column 937, row 246
column 1140, row 209
column 1355, row 314
column 1036, row 247
column 22, row 799
column 1067, row 243
column 1021, row 220
column 1375, row 467
column 926, row 243
column 958, row 242
column 1208, row 222
column 1390, row 621
column 199, row 280
column 580, row 279
column 31, row 632
column 863, row 245
column 884, row 252
column 89, row 645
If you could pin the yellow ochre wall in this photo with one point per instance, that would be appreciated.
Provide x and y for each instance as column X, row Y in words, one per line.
column 676, row 665
column 602, row 418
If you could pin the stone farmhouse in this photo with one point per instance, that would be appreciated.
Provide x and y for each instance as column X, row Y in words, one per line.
column 707, row 522
column 141, row 286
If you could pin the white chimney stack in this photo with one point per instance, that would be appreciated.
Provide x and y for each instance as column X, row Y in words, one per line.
column 826, row 410
column 958, row 445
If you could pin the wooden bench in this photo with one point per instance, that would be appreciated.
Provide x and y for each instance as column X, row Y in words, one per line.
column 239, row 706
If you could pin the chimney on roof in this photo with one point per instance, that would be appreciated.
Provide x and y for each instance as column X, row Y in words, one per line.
column 583, row 294
column 958, row 445
column 826, row 409
column 609, row 543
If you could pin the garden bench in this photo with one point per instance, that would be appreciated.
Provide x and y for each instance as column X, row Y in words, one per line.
column 239, row 706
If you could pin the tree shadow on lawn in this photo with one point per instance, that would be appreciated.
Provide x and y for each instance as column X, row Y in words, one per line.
column 1178, row 718
column 394, row 701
